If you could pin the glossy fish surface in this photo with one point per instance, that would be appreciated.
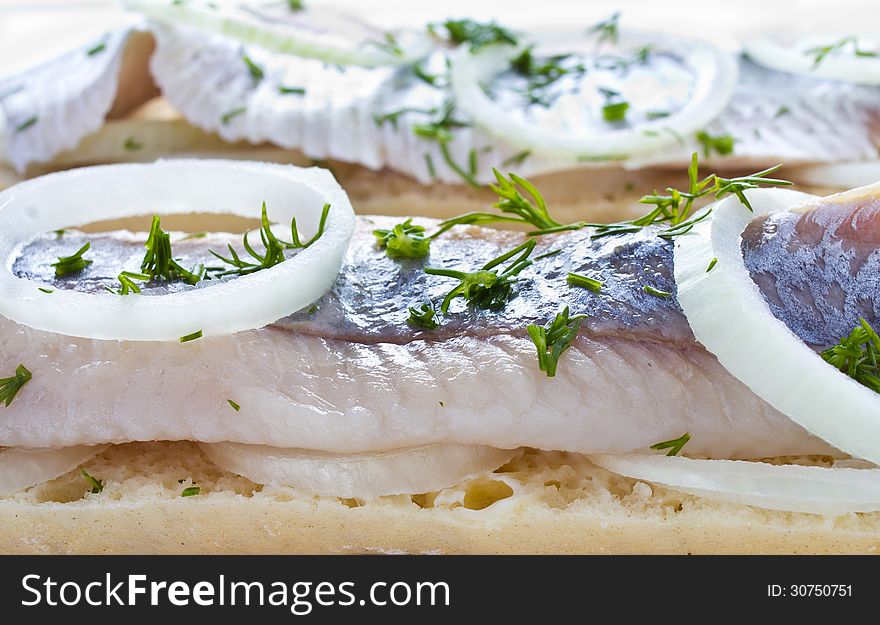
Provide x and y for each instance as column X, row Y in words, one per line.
column 350, row 374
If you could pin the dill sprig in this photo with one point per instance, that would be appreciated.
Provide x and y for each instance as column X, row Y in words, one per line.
column 722, row 144
column 856, row 355
column 403, row 241
column 674, row 446
column 586, row 282
column 820, row 53
column 159, row 263
column 191, row 337
column 476, row 34
column 256, row 71
column 615, row 107
column 389, row 44
column 96, row 484
column 273, row 246
column 73, row 263
column 191, row 491
column 676, row 207
column 126, row 280
column 9, row 387
column 552, row 339
column 607, row 29
column 540, row 74
column 514, row 206
column 486, row 288
column 424, row 316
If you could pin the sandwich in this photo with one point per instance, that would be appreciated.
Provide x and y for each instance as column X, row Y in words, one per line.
column 494, row 370
column 370, row 385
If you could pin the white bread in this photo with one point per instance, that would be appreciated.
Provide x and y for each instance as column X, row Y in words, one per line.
column 540, row 503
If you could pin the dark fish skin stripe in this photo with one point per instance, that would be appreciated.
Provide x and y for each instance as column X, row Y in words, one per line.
column 818, row 272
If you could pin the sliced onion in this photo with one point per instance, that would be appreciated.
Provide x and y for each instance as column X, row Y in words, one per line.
column 82, row 196
column 729, row 316
column 791, row 54
column 313, row 32
column 838, row 175
column 793, row 488
column 715, row 73
column 23, row 468
column 364, row 476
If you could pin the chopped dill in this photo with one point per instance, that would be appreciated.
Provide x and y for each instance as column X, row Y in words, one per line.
column 9, row 387
column 73, row 263
column 552, row 339
column 674, row 446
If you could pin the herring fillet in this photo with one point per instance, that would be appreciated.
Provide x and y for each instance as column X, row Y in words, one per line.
column 50, row 108
column 773, row 116
column 352, row 376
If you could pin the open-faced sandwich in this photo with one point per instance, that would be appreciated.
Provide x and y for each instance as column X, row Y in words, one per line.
column 498, row 378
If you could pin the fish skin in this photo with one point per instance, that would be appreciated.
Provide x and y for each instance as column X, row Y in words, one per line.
column 359, row 379
column 818, row 271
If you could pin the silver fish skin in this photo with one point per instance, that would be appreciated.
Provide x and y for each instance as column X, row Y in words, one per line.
column 350, row 375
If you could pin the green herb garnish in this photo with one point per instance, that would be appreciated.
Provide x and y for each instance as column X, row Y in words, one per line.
column 191, row 491
column 45, row 290
column 96, row 484
column 295, row 5
column 674, row 446
column 722, row 144
column 131, row 144
column 230, row 115
column 782, row 110
column 388, row 44
column 254, row 70
column 655, row 292
column 486, row 288
column 158, row 263
column 552, row 339
column 517, row 159
column 284, row 90
column 576, row 279
column 73, row 263
column 96, row 49
column 9, row 387
column 191, row 337
column 476, row 34
column 514, row 206
column 615, row 112
column 404, row 241
column 820, row 53
column 675, row 209
column 712, row 264
column 856, row 355
column 608, row 29
column 234, row 405
column 542, row 73
column 126, row 280
column 424, row 316
column 30, row 121
column 273, row 246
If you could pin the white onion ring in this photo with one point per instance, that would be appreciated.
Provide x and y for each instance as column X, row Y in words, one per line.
column 792, row 488
column 791, row 57
column 729, row 316
column 23, row 468
column 338, row 48
column 92, row 194
column 838, row 175
column 716, row 76
column 364, row 476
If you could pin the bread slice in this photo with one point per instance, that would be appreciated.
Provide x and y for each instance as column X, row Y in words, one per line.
column 542, row 502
